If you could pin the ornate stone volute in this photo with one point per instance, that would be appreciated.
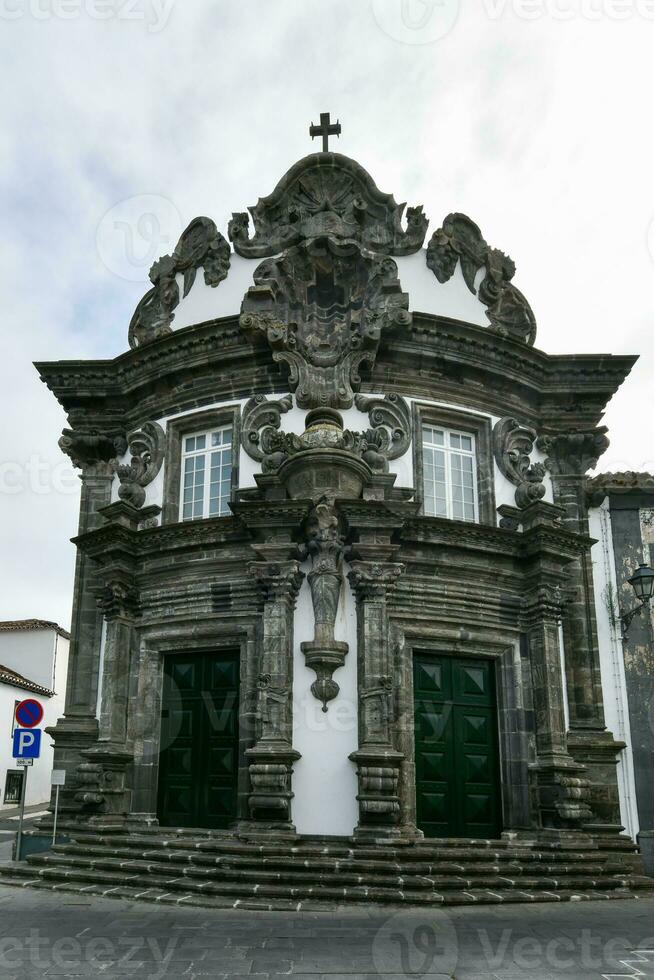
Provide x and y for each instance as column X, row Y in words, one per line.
column 322, row 306
column 93, row 451
column 460, row 240
column 147, row 449
column 201, row 246
column 573, row 453
column 260, row 431
column 513, row 444
column 390, row 435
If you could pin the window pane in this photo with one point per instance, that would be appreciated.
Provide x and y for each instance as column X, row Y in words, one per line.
column 190, row 444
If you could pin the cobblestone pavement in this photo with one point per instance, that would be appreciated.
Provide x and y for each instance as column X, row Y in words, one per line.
column 44, row 934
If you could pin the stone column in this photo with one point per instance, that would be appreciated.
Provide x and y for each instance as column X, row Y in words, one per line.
column 272, row 756
column 569, row 456
column 378, row 762
column 78, row 729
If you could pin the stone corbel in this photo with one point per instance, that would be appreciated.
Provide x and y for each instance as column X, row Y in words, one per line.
column 513, row 444
column 147, row 449
column 573, row 453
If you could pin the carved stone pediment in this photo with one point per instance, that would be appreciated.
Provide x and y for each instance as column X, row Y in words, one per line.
column 322, row 306
column 327, row 194
column 460, row 240
column 200, row 246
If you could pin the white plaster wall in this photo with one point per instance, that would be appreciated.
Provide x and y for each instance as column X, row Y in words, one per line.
column 30, row 653
column 324, row 781
column 616, row 708
column 426, row 294
column 38, row 780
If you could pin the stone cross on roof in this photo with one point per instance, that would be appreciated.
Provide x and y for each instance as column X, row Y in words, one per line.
column 325, row 129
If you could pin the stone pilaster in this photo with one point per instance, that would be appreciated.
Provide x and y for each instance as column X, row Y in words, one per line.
column 96, row 457
column 569, row 456
column 272, row 756
column 378, row 762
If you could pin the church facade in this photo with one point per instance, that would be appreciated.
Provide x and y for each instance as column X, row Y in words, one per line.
column 334, row 570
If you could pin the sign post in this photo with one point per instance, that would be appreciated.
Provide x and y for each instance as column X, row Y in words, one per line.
column 26, row 748
column 58, row 779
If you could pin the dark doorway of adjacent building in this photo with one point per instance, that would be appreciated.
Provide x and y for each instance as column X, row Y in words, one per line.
column 457, row 771
column 198, row 761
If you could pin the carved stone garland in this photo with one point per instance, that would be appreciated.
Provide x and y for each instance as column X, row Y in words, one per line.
column 460, row 240
column 512, row 445
column 322, row 306
column 147, row 449
column 201, row 245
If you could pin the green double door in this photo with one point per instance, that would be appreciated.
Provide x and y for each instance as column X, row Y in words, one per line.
column 198, row 761
column 457, row 772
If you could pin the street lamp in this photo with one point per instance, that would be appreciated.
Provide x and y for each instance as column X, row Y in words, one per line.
column 642, row 582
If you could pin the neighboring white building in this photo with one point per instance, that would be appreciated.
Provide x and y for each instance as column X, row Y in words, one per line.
column 33, row 664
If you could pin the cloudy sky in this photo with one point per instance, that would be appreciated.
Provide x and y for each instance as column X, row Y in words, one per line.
column 532, row 116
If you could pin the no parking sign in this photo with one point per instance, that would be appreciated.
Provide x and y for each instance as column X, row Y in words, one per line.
column 29, row 713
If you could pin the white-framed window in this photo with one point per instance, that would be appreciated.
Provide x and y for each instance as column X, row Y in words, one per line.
column 206, row 474
column 449, row 473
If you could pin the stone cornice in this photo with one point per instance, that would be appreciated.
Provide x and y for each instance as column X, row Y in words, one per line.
column 433, row 357
column 479, row 537
column 623, row 482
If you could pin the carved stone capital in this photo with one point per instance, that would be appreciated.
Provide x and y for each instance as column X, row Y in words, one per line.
column 573, row 453
column 460, row 240
column 119, row 599
column 278, row 580
column 543, row 604
column 372, row 580
column 95, row 453
column 147, row 449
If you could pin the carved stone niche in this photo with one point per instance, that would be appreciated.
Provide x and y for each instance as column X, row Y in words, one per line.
column 200, row 246
column 513, row 444
column 328, row 194
column 460, row 240
column 147, row 449
column 322, row 306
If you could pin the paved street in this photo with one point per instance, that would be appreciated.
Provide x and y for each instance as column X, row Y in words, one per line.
column 43, row 934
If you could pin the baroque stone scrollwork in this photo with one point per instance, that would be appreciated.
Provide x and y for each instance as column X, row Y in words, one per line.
column 322, row 306
column 460, row 240
column 327, row 194
column 513, row 444
column 147, row 449
column 261, row 437
column 573, row 453
column 390, row 435
column 325, row 544
column 93, row 449
column 201, row 245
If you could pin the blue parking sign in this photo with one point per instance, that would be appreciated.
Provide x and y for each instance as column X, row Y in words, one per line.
column 27, row 743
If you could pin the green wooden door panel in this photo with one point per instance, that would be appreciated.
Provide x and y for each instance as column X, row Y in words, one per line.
column 198, row 761
column 457, row 777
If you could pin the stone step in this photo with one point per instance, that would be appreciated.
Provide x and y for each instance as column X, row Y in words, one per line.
column 382, row 854
column 276, row 900
column 348, row 870
column 334, row 879
column 221, row 902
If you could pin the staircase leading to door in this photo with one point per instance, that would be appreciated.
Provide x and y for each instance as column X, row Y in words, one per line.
column 217, row 870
